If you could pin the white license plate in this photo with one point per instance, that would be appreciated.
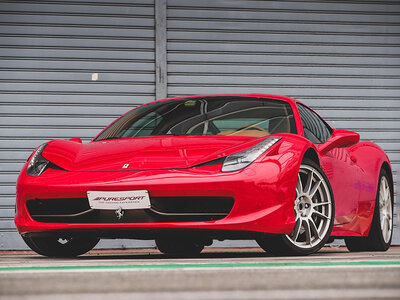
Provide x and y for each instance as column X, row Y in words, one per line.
column 119, row 199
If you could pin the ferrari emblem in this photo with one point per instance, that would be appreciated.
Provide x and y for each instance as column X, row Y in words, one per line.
column 125, row 166
column 119, row 213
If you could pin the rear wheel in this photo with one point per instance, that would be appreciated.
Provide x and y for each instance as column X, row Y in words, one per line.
column 314, row 211
column 61, row 247
column 380, row 235
column 179, row 247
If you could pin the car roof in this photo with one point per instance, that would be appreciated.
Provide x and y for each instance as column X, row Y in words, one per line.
column 268, row 96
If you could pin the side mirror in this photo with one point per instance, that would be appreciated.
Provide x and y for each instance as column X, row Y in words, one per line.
column 340, row 139
column 77, row 140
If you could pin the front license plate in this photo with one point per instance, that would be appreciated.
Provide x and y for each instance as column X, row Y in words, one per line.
column 119, row 199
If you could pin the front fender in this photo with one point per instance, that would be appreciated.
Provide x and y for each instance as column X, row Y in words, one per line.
column 286, row 157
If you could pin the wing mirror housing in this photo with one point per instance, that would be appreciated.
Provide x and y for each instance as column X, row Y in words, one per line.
column 76, row 140
column 340, row 139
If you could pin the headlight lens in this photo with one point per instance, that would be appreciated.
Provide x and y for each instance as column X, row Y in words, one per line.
column 241, row 160
column 38, row 163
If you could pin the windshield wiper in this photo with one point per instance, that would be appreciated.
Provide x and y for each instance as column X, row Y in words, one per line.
column 109, row 138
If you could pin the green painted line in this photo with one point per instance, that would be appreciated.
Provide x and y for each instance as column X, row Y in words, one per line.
column 200, row 266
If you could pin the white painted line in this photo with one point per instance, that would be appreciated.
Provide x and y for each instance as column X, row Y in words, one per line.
column 217, row 295
column 197, row 269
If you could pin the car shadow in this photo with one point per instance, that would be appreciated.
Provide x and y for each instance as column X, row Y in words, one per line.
column 210, row 253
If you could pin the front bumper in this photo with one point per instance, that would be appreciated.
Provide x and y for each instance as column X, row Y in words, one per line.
column 263, row 199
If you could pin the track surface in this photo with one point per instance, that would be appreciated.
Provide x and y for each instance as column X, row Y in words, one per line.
column 333, row 273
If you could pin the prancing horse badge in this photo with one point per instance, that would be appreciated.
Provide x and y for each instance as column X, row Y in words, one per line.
column 119, row 213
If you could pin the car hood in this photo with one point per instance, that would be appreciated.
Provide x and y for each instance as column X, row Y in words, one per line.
column 144, row 153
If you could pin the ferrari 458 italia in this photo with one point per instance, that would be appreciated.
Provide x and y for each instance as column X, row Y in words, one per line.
column 189, row 170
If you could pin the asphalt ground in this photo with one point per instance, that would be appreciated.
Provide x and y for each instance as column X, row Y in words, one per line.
column 218, row 273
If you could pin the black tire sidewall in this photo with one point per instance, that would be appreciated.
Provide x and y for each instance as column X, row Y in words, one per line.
column 51, row 247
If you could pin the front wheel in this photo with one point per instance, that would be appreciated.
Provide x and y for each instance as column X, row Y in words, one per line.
column 314, row 212
column 61, row 247
column 380, row 235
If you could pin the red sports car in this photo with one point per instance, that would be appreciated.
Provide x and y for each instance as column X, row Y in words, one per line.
column 188, row 170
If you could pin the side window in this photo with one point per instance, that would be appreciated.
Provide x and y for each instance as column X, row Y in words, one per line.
column 314, row 128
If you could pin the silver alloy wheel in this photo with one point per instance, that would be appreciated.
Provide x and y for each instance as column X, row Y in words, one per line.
column 385, row 209
column 313, row 209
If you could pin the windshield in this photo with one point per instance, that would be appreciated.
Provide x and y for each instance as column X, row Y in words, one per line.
column 222, row 115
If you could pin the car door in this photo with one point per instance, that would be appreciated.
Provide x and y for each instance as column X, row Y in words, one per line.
column 338, row 166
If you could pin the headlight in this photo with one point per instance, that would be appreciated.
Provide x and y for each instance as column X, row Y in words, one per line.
column 240, row 160
column 38, row 163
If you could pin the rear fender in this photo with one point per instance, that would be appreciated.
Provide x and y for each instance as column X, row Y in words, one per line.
column 371, row 159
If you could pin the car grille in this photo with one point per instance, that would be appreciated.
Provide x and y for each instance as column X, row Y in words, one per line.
column 163, row 209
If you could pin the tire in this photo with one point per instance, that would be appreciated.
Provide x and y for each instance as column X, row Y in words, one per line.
column 179, row 247
column 57, row 247
column 380, row 235
column 314, row 214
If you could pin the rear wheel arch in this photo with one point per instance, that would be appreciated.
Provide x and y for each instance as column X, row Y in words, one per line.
column 386, row 167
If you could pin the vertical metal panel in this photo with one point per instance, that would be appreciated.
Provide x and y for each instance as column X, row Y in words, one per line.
column 67, row 69
column 340, row 57
column 161, row 48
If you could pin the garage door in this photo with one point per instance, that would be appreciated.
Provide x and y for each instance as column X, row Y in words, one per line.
column 340, row 57
column 67, row 69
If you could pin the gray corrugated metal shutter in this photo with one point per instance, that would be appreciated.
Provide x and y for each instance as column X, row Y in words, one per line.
column 340, row 57
column 49, row 51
